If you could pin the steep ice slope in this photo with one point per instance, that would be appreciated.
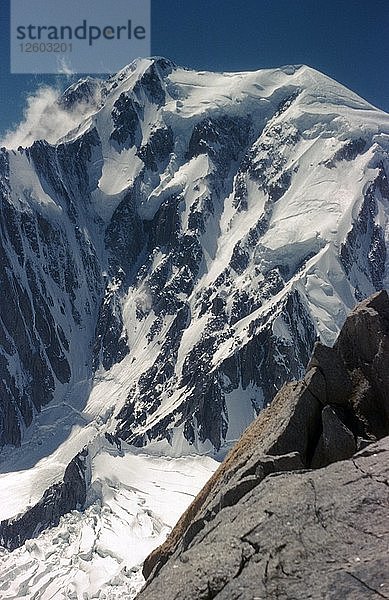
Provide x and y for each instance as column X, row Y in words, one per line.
column 168, row 264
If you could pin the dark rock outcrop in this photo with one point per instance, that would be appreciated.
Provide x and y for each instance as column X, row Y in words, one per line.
column 336, row 441
column 271, row 523
column 50, row 281
column 366, row 356
column 58, row 499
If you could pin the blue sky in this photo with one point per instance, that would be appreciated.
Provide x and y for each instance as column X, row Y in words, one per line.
column 346, row 39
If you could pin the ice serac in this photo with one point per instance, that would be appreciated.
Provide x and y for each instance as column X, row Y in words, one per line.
column 189, row 240
column 300, row 503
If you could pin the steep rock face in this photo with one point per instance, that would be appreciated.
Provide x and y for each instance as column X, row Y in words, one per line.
column 58, row 500
column 310, row 424
column 50, row 280
column 366, row 358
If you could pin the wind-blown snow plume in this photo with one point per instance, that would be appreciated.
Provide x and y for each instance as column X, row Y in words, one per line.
column 45, row 119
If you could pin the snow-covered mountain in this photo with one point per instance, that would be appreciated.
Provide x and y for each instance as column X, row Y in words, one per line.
column 168, row 263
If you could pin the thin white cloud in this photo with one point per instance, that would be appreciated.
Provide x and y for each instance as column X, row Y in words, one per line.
column 45, row 119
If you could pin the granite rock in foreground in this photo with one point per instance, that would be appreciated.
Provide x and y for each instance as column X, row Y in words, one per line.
column 308, row 534
column 299, row 509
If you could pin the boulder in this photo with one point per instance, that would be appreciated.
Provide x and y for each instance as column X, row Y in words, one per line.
column 336, row 442
column 337, row 381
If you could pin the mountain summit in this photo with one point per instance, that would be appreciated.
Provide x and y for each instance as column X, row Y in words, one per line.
column 200, row 230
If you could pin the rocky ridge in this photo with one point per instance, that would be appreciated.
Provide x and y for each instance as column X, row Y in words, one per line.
column 298, row 508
